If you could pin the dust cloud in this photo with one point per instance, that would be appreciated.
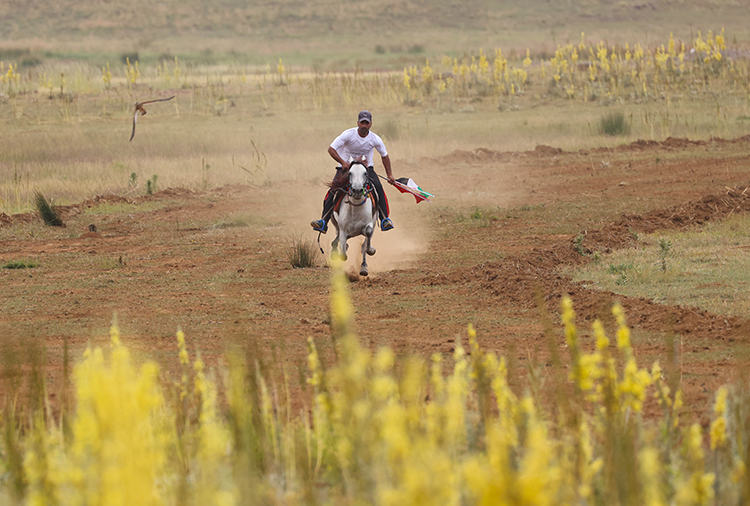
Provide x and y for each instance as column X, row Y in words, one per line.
column 399, row 248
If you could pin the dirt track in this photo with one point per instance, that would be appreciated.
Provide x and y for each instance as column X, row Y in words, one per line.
column 501, row 226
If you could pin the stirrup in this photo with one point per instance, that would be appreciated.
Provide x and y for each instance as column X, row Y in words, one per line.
column 386, row 224
column 319, row 226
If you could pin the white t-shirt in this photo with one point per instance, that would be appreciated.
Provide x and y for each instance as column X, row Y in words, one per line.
column 350, row 145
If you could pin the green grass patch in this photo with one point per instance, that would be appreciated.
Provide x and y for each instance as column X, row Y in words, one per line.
column 20, row 264
column 707, row 268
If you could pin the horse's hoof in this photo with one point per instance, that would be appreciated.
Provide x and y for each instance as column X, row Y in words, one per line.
column 363, row 271
column 371, row 251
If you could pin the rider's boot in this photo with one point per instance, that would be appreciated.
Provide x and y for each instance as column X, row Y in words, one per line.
column 319, row 226
column 386, row 224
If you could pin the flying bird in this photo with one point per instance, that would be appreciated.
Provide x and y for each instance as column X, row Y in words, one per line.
column 139, row 108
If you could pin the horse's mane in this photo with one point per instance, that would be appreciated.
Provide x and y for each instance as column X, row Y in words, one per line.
column 339, row 181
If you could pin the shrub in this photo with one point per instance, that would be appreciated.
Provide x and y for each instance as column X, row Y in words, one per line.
column 47, row 211
column 614, row 124
column 302, row 253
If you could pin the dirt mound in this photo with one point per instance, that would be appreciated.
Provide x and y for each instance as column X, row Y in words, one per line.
column 166, row 193
column 622, row 233
column 520, row 279
column 70, row 211
column 545, row 151
column 668, row 144
column 476, row 155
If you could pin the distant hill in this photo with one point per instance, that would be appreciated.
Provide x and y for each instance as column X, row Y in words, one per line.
column 346, row 32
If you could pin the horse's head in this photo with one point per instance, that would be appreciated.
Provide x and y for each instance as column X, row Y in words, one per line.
column 359, row 186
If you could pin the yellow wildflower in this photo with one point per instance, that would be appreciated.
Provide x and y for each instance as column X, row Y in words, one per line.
column 719, row 425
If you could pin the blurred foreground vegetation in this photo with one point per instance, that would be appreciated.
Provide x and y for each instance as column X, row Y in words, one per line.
column 375, row 429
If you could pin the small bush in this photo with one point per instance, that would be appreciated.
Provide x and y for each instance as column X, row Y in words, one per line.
column 151, row 185
column 614, row 124
column 47, row 211
column 303, row 253
column 132, row 57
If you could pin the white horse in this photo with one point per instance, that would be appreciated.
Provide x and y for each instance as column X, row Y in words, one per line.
column 357, row 215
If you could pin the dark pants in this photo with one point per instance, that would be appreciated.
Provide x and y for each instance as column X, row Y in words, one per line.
column 374, row 179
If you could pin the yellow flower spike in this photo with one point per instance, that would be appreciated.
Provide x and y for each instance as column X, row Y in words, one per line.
column 719, row 425
column 656, row 372
column 623, row 332
column 651, row 477
column 677, row 405
column 587, row 465
column 718, row 433
column 538, row 475
column 720, row 406
column 568, row 318
column 527, row 60
column 182, row 348
column 589, row 371
column 341, row 308
column 384, row 360
column 601, row 339
column 313, row 363
column 633, row 385
column 694, row 442
column 457, row 390
column 119, row 434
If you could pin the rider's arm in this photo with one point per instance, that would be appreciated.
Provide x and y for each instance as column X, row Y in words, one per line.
column 387, row 164
column 335, row 155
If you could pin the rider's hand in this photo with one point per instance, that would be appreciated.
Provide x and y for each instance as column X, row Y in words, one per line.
column 345, row 165
column 391, row 180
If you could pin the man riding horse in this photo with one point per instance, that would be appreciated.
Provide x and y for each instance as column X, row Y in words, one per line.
column 353, row 144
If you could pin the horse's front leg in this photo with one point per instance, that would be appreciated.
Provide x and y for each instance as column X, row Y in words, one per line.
column 367, row 249
column 368, row 232
column 342, row 246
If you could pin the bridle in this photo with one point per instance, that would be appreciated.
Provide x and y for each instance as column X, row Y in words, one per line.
column 364, row 192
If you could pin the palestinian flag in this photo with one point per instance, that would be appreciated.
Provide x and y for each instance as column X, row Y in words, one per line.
column 407, row 185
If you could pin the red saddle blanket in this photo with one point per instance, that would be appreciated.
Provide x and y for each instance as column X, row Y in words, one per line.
column 373, row 195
